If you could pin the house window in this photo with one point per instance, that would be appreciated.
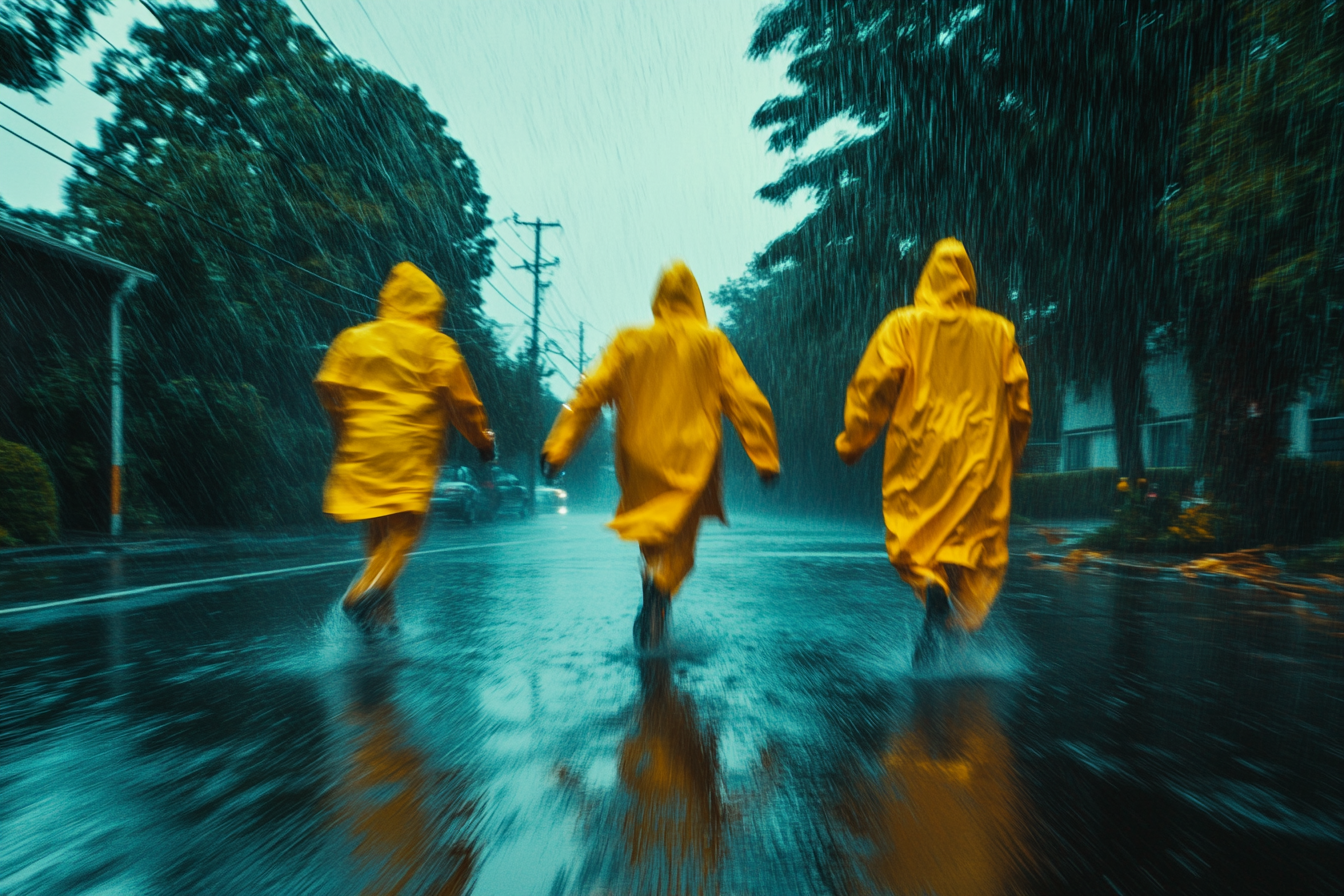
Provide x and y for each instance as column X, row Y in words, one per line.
column 1327, row 438
column 1169, row 444
column 1078, row 451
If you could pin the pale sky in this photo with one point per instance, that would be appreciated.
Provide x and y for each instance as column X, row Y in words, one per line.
column 626, row 120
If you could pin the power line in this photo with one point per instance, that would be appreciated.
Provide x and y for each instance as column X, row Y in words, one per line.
column 304, row 4
column 505, row 298
column 141, row 201
column 354, row 311
column 146, row 187
column 260, row 131
column 374, row 25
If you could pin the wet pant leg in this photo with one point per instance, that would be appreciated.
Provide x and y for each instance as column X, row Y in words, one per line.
column 667, row 565
column 972, row 590
column 387, row 541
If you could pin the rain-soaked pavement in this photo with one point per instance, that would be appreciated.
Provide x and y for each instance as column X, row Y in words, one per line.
column 1103, row 735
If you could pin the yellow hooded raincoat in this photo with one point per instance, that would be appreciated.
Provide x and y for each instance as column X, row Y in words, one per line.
column 949, row 378
column 391, row 386
column 670, row 383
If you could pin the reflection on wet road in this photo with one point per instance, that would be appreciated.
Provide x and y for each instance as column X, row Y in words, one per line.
column 1103, row 735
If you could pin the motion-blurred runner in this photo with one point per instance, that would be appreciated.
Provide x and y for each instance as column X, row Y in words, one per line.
column 671, row 384
column 950, row 380
column 391, row 387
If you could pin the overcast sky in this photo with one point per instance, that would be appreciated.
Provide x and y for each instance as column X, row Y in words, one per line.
column 625, row 120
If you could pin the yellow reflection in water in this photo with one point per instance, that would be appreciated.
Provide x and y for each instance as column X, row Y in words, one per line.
column 947, row 815
column 411, row 827
column 669, row 767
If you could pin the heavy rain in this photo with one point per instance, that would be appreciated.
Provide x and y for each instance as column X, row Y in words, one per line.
column 718, row 447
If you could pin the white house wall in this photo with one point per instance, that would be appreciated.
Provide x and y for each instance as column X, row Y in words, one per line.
column 1170, row 394
column 1095, row 413
column 1169, row 387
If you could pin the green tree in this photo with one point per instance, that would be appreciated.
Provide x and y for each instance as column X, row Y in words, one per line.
column 270, row 182
column 1258, row 226
column 1044, row 135
column 34, row 34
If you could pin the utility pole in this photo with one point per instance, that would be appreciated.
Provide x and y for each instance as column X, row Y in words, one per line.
column 582, row 359
column 533, row 348
column 127, row 287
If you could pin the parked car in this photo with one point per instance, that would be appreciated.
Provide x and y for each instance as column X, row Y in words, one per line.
column 459, row 496
column 504, row 493
column 551, row 500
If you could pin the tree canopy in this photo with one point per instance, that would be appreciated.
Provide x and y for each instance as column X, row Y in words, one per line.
column 1257, row 224
column 1045, row 136
column 270, row 182
column 34, row 34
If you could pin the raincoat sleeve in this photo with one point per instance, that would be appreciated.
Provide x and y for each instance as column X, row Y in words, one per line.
column 330, row 377
column 748, row 410
column 452, row 381
column 1019, row 400
column 872, row 391
column 577, row 417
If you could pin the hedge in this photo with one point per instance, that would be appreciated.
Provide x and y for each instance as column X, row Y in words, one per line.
column 1304, row 504
column 1301, row 501
column 1084, row 494
column 27, row 497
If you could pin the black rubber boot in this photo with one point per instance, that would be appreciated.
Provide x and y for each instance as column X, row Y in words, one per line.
column 937, row 611
column 651, row 621
column 373, row 610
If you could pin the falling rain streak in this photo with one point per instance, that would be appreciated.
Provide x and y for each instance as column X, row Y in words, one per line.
column 1149, row 201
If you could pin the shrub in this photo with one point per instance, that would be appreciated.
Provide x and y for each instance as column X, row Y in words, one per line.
column 1086, row 494
column 1303, row 503
column 1300, row 502
column 27, row 497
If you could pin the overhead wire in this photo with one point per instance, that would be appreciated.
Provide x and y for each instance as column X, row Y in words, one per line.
column 139, row 200
column 147, row 188
column 383, row 40
column 270, row 145
column 91, row 158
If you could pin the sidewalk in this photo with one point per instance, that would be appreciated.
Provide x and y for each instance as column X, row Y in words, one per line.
column 76, row 545
column 1057, row 546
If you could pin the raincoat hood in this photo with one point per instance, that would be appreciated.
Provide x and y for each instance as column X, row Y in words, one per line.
column 678, row 295
column 948, row 280
column 410, row 295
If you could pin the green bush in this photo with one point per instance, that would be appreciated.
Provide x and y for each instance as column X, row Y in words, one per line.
column 1302, row 502
column 1293, row 502
column 1086, row 494
column 27, row 497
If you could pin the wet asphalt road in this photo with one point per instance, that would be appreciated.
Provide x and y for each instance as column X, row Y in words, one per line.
column 1102, row 735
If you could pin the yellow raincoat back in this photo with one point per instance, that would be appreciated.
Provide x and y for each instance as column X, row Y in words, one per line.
column 671, row 383
column 391, row 386
column 949, row 378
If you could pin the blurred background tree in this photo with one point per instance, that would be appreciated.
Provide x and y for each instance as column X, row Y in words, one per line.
column 270, row 182
column 1044, row 136
column 1258, row 226
column 34, row 34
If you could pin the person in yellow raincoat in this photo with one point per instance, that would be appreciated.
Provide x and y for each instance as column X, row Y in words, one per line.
column 391, row 387
column 950, row 380
column 671, row 384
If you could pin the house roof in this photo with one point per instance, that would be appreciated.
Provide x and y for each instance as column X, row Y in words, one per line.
column 36, row 239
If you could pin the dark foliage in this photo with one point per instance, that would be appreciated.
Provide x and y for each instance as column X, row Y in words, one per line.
column 269, row 183
column 34, row 34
